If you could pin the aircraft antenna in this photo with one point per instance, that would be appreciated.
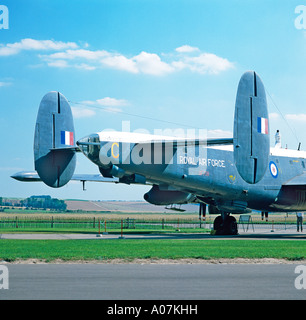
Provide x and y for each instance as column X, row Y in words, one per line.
column 131, row 114
column 294, row 134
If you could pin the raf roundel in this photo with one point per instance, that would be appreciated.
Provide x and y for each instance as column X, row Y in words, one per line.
column 273, row 169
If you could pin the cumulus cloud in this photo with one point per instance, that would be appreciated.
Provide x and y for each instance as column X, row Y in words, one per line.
column 32, row 44
column 301, row 117
column 70, row 55
column 205, row 63
column 79, row 112
column 85, row 108
column 274, row 116
column 144, row 62
column 150, row 63
column 5, row 84
column 112, row 102
column 120, row 62
column 186, row 48
column 107, row 102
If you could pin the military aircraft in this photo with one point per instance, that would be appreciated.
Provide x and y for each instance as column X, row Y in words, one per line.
column 229, row 176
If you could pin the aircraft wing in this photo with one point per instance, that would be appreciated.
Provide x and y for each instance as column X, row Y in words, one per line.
column 191, row 142
column 28, row 176
column 297, row 181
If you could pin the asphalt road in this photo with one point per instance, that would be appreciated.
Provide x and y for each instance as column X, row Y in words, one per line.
column 151, row 282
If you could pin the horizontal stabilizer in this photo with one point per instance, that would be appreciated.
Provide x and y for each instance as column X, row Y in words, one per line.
column 30, row 176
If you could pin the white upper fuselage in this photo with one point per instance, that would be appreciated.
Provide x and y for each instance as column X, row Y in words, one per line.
column 133, row 137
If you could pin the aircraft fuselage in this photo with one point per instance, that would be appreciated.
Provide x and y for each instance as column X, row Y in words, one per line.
column 207, row 172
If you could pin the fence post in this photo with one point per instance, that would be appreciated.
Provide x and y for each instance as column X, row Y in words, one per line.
column 105, row 232
column 99, row 234
column 121, row 237
column 52, row 222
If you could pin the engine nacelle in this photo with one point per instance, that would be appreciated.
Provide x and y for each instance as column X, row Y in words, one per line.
column 112, row 171
column 167, row 197
column 237, row 207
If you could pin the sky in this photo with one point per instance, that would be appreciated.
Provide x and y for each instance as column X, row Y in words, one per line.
column 158, row 64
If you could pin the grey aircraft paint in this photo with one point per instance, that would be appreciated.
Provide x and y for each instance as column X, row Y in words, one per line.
column 229, row 175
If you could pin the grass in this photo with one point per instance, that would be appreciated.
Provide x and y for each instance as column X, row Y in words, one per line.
column 102, row 249
column 130, row 249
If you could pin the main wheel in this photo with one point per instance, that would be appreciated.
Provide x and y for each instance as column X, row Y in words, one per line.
column 230, row 226
column 218, row 225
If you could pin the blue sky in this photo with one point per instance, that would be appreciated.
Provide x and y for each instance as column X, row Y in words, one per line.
column 177, row 61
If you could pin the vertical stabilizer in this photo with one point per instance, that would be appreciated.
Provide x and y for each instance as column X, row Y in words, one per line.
column 251, row 129
column 54, row 147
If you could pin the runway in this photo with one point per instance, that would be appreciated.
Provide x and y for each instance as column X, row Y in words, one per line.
column 152, row 282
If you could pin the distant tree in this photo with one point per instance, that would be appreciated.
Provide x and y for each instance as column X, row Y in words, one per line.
column 45, row 202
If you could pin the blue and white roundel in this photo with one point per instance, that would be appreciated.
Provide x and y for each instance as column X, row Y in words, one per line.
column 273, row 169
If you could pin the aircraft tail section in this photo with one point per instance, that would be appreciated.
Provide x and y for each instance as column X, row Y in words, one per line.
column 251, row 129
column 54, row 145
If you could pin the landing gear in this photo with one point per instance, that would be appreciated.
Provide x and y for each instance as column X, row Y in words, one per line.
column 225, row 225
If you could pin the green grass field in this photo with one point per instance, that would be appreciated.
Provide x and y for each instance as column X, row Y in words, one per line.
column 130, row 249
column 69, row 250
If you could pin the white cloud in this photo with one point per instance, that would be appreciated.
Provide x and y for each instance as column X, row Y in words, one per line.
column 120, row 62
column 186, row 49
column 71, row 55
column 273, row 116
column 150, row 63
column 5, row 84
column 32, row 44
column 58, row 64
column 188, row 57
column 106, row 104
column 146, row 63
column 79, row 112
column 296, row 117
column 85, row 66
column 79, row 53
column 111, row 102
column 205, row 63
